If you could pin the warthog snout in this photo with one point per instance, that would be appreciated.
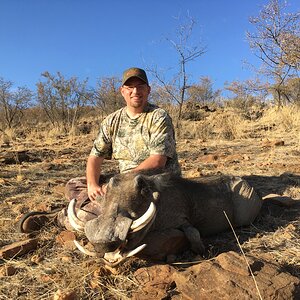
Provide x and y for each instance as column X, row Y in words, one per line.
column 110, row 235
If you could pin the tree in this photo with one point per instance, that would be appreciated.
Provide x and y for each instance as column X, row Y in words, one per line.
column 203, row 92
column 293, row 89
column 290, row 90
column 62, row 99
column 187, row 52
column 247, row 93
column 12, row 103
column 276, row 42
column 107, row 95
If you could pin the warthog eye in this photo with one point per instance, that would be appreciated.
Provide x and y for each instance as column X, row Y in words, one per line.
column 132, row 214
column 145, row 192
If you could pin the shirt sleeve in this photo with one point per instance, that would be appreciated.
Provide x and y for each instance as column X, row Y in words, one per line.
column 162, row 138
column 103, row 144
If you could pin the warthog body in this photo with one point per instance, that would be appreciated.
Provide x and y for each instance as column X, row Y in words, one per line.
column 185, row 211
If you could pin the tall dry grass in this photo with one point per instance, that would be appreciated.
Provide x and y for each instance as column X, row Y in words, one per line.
column 230, row 124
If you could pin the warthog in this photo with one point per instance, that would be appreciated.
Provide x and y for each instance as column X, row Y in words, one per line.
column 160, row 214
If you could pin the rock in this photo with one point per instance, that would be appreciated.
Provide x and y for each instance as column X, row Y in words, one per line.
column 7, row 270
column 65, row 239
column 17, row 157
column 225, row 277
column 64, row 295
column 154, row 281
column 209, row 158
column 279, row 143
column 36, row 259
column 85, row 127
column 267, row 143
column 18, row 248
column 193, row 173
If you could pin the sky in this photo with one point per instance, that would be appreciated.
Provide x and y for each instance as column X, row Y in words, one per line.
column 95, row 39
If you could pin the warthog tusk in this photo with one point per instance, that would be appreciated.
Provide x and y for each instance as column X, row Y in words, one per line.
column 145, row 219
column 135, row 251
column 75, row 222
column 116, row 257
column 111, row 258
column 83, row 250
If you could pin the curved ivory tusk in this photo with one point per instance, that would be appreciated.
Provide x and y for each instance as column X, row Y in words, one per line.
column 83, row 250
column 135, row 251
column 145, row 219
column 75, row 222
column 114, row 258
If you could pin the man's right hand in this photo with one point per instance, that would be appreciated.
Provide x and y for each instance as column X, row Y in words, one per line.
column 92, row 176
column 96, row 190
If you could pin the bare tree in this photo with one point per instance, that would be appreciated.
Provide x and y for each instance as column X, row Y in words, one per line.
column 62, row 99
column 160, row 96
column 247, row 93
column 293, row 89
column 12, row 103
column 107, row 95
column 187, row 52
column 276, row 42
column 203, row 92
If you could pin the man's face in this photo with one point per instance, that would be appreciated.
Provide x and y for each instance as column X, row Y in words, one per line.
column 135, row 92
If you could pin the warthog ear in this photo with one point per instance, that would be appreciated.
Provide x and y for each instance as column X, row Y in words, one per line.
column 139, row 182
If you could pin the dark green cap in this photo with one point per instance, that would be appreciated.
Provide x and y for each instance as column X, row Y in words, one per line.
column 134, row 72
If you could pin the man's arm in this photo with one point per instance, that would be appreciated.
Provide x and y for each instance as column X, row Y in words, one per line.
column 154, row 161
column 93, row 171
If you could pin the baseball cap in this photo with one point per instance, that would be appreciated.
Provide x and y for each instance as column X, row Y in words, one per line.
column 134, row 72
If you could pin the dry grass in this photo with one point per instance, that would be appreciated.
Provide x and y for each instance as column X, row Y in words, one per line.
column 223, row 142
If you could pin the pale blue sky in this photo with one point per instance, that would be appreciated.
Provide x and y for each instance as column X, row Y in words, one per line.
column 94, row 39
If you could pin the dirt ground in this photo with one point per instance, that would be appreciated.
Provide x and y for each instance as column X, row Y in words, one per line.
column 34, row 171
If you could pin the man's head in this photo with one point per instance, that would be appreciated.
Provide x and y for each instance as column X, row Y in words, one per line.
column 135, row 90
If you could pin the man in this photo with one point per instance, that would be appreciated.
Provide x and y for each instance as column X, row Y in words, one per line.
column 139, row 136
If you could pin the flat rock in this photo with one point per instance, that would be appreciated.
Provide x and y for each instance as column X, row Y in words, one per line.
column 66, row 239
column 225, row 277
column 18, row 248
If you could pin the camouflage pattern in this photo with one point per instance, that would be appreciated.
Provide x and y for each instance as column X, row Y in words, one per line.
column 131, row 141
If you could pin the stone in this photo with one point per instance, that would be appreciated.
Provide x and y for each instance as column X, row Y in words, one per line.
column 7, row 270
column 227, row 276
column 18, row 248
column 64, row 295
column 154, row 281
column 65, row 239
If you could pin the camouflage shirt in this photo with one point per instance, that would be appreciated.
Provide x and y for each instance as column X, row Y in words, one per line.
column 131, row 141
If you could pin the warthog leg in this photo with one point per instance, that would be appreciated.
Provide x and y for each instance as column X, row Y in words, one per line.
column 193, row 236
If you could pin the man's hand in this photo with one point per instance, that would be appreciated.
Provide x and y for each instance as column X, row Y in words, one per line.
column 96, row 190
column 92, row 176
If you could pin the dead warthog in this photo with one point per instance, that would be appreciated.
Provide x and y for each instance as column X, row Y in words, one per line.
column 161, row 214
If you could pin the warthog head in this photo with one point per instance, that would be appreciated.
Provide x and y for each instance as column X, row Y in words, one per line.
column 129, row 209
